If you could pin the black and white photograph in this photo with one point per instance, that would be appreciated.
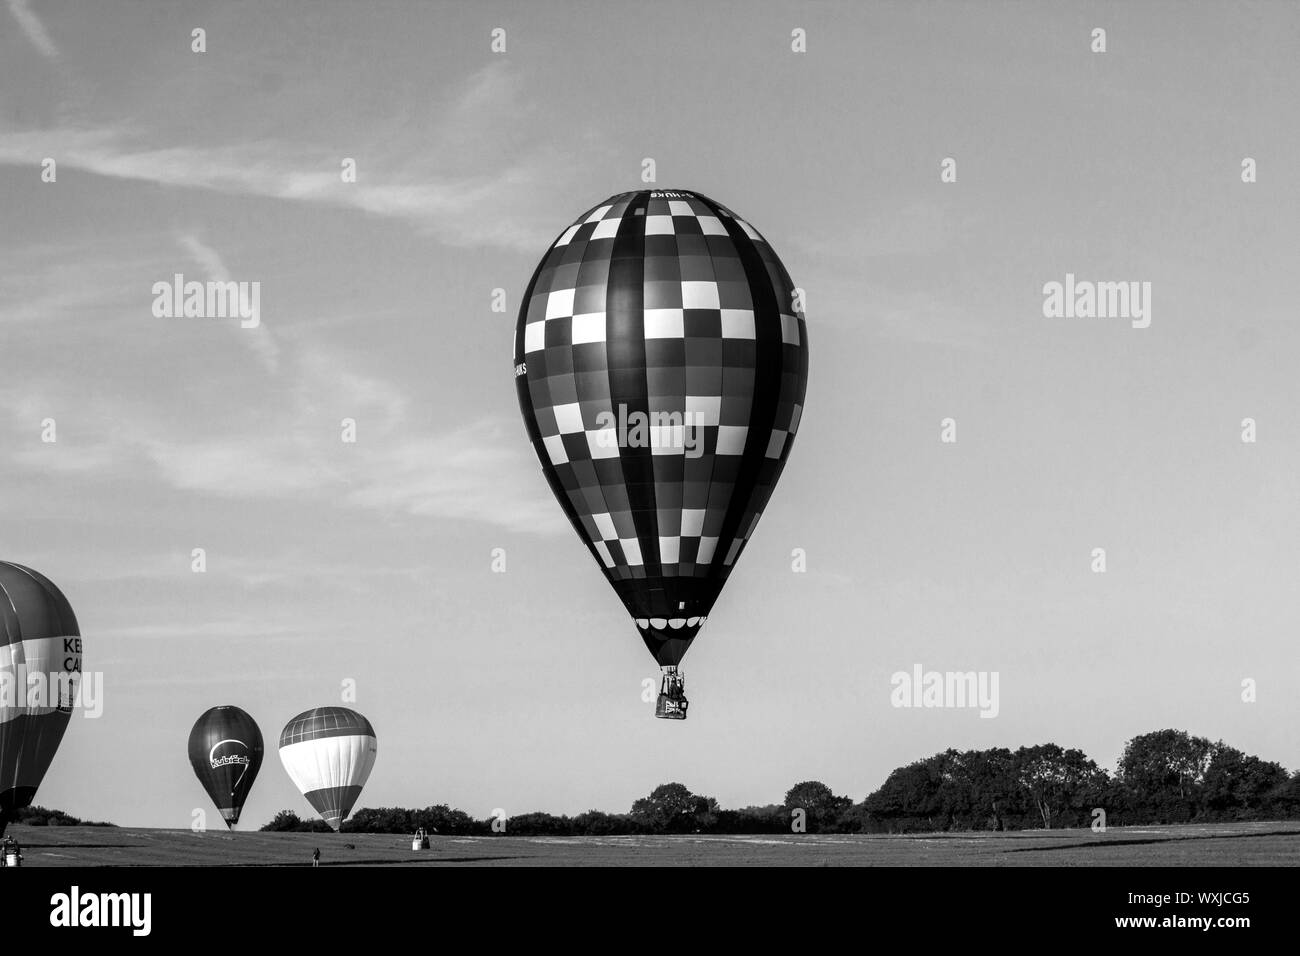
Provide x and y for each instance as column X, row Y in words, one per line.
column 689, row 441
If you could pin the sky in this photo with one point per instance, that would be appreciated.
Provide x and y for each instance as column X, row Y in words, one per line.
column 371, row 563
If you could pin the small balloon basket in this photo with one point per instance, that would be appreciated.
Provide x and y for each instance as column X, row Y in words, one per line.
column 672, row 701
column 13, row 858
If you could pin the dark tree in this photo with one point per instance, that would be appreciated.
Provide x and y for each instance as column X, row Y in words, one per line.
column 914, row 797
column 1284, row 800
column 1162, row 771
column 1058, row 781
column 672, row 808
column 1237, row 786
column 822, row 808
column 996, row 801
column 443, row 820
column 599, row 823
column 41, row 817
column 286, row 821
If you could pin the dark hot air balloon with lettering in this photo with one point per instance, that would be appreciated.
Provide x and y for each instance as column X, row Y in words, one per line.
column 661, row 359
column 226, row 753
column 40, row 669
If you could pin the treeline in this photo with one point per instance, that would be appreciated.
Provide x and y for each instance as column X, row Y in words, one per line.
column 1164, row 777
column 40, row 817
column 1167, row 776
column 671, row 808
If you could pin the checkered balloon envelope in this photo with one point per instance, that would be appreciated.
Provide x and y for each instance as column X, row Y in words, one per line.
column 661, row 358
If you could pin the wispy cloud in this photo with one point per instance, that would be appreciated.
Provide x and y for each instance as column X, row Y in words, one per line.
column 207, row 258
column 482, row 471
column 260, row 339
column 488, row 208
column 505, row 204
column 32, row 28
column 47, row 283
column 65, row 460
column 119, row 422
column 120, row 418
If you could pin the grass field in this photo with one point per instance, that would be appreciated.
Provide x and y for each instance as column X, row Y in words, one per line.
column 1241, row 844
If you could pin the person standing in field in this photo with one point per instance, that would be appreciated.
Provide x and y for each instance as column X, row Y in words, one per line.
column 315, row 857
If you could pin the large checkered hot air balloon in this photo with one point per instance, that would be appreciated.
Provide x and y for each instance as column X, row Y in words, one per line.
column 661, row 358
column 40, row 667
column 328, row 753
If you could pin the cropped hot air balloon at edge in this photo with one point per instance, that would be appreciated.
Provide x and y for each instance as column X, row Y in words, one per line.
column 328, row 753
column 661, row 359
column 226, row 753
column 40, row 667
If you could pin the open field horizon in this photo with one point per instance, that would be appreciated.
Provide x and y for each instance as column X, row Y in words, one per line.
column 1228, row 844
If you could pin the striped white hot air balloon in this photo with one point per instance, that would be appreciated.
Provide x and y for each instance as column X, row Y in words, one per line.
column 40, row 667
column 328, row 753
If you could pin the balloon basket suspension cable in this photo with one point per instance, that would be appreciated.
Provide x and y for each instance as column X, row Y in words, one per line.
column 672, row 701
